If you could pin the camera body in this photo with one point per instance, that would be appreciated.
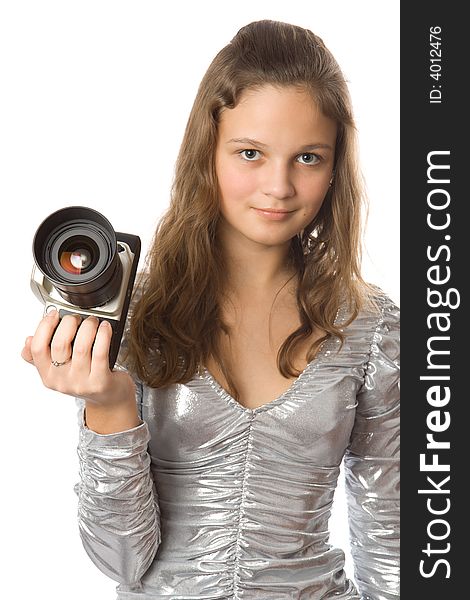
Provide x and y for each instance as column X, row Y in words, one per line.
column 82, row 267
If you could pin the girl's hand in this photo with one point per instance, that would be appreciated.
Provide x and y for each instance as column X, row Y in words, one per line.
column 83, row 369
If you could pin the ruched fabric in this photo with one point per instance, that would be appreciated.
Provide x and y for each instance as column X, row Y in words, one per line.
column 208, row 499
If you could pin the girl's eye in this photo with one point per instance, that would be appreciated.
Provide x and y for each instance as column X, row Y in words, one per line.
column 250, row 155
column 308, row 158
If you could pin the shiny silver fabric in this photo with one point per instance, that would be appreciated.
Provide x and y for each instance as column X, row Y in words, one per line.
column 233, row 503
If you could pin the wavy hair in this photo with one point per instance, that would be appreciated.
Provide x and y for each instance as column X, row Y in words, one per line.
column 176, row 323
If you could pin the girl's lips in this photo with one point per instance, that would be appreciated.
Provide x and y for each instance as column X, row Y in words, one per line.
column 274, row 215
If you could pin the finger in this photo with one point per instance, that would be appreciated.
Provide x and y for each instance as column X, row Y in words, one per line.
column 40, row 344
column 61, row 344
column 100, row 354
column 82, row 346
column 26, row 352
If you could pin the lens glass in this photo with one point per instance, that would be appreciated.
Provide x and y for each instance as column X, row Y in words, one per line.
column 78, row 255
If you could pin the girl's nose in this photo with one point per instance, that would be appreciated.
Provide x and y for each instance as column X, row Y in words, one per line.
column 277, row 181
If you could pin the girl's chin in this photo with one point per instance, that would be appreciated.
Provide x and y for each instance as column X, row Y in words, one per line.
column 265, row 234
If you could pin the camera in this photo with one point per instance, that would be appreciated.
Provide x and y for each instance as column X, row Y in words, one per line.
column 83, row 267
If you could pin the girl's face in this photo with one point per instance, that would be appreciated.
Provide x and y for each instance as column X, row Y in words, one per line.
column 274, row 160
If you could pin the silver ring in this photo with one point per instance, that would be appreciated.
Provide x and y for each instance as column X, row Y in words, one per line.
column 56, row 363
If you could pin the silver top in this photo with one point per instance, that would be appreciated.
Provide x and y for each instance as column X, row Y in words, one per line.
column 207, row 499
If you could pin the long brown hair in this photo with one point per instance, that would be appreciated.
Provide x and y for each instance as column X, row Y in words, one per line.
column 176, row 323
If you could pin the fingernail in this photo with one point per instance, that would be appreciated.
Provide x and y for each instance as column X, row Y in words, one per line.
column 105, row 324
column 52, row 312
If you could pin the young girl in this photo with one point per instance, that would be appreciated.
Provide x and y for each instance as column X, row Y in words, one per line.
column 259, row 357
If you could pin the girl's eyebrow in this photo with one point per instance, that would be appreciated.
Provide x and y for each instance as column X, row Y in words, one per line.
column 252, row 142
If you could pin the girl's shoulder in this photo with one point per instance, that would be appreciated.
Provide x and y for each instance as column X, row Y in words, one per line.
column 380, row 305
column 378, row 320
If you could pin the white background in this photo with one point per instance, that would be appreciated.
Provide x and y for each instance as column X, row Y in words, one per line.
column 94, row 100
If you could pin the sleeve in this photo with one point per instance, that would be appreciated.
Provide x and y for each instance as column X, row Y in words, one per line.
column 118, row 513
column 372, row 466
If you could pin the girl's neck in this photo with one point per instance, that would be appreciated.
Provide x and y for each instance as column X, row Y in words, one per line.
column 256, row 270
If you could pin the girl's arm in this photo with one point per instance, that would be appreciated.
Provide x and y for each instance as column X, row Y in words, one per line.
column 118, row 512
column 372, row 467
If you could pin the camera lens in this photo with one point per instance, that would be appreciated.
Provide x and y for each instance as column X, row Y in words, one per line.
column 76, row 249
column 78, row 256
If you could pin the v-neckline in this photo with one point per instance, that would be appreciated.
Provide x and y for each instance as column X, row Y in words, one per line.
column 323, row 351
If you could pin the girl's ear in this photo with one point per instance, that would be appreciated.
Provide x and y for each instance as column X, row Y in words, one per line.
column 331, row 179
